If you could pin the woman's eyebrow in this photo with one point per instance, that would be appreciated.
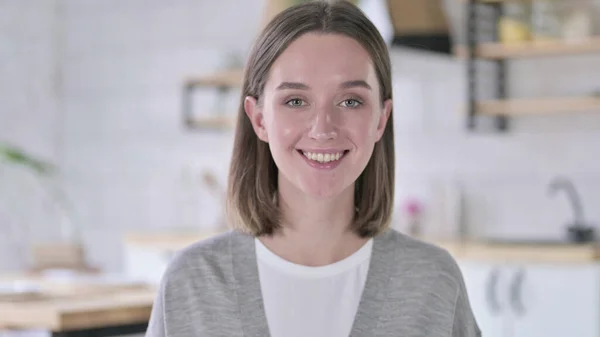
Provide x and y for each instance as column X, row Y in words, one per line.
column 355, row 83
column 302, row 86
column 292, row 85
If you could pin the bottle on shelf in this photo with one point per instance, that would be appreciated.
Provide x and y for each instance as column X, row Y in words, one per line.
column 514, row 25
column 546, row 20
column 577, row 23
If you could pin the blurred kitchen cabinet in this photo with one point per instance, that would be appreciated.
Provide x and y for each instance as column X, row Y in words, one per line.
column 534, row 300
column 557, row 301
column 482, row 281
column 420, row 24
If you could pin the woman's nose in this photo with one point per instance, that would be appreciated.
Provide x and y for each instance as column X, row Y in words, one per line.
column 323, row 127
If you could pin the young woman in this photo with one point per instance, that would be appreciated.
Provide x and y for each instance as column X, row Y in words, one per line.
column 311, row 190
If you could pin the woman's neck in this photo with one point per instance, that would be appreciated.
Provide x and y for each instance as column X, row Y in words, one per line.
column 315, row 232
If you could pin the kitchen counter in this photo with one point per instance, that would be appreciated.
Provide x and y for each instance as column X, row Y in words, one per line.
column 534, row 252
column 525, row 252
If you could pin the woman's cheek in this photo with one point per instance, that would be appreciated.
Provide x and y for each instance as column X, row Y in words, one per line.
column 362, row 125
column 285, row 131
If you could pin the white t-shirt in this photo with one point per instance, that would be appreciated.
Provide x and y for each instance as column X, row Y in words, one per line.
column 307, row 301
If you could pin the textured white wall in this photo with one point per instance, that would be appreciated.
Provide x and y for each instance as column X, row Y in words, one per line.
column 115, row 123
column 30, row 116
column 127, row 150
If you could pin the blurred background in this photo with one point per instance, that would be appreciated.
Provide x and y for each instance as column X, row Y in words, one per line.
column 116, row 128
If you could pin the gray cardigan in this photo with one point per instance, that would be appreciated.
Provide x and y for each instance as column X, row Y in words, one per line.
column 212, row 288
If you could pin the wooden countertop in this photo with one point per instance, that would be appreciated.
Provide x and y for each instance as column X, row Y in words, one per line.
column 557, row 253
column 61, row 306
column 462, row 250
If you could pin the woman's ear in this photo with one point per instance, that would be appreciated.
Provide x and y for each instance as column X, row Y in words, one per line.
column 255, row 114
column 384, row 117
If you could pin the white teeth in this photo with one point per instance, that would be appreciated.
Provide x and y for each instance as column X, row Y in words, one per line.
column 323, row 157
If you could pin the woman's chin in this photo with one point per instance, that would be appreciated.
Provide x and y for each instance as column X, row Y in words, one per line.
column 322, row 192
column 322, row 195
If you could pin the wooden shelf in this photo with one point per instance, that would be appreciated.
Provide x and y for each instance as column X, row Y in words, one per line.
column 539, row 106
column 228, row 78
column 498, row 51
column 495, row 1
column 214, row 123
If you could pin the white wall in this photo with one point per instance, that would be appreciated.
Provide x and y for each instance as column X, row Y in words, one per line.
column 128, row 154
column 128, row 160
column 30, row 117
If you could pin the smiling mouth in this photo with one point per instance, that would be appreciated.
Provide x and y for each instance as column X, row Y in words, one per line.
column 324, row 158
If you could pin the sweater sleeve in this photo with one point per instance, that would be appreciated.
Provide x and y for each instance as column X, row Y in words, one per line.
column 156, row 325
column 465, row 324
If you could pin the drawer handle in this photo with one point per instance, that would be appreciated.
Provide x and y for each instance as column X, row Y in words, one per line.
column 492, row 285
column 516, row 293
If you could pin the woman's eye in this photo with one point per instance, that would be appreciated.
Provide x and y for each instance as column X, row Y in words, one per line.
column 295, row 102
column 351, row 103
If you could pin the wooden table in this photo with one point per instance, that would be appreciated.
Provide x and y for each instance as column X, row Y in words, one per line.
column 72, row 310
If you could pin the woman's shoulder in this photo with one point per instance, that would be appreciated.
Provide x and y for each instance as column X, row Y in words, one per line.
column 419, row 256
column 416, row 247
column 210, row 256
column 429, row 277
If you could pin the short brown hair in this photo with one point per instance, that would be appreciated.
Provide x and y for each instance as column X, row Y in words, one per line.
column 252, row 204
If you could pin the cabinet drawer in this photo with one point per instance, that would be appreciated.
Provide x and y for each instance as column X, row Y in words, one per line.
column 534, row 300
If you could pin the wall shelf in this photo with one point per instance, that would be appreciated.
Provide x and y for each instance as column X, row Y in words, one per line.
column 499, row 51
column 223, row 81
column 228, row 78
column 495, row 1
column 502, row 107
column 537, row 106
column 211, row 123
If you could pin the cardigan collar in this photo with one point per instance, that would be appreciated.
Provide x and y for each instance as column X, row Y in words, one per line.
column 249, row 296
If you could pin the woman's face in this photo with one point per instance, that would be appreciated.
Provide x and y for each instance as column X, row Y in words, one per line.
column 320, row 113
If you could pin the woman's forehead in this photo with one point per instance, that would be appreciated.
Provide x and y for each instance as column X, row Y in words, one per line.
column 320, row 58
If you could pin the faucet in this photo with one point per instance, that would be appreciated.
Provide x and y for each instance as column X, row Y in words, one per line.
column 578, row 229
column 567, row 186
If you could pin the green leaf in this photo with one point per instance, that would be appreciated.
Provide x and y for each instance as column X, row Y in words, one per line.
column 17, row 156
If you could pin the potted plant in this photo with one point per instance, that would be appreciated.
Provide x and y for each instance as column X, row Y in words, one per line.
column 68, row 253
